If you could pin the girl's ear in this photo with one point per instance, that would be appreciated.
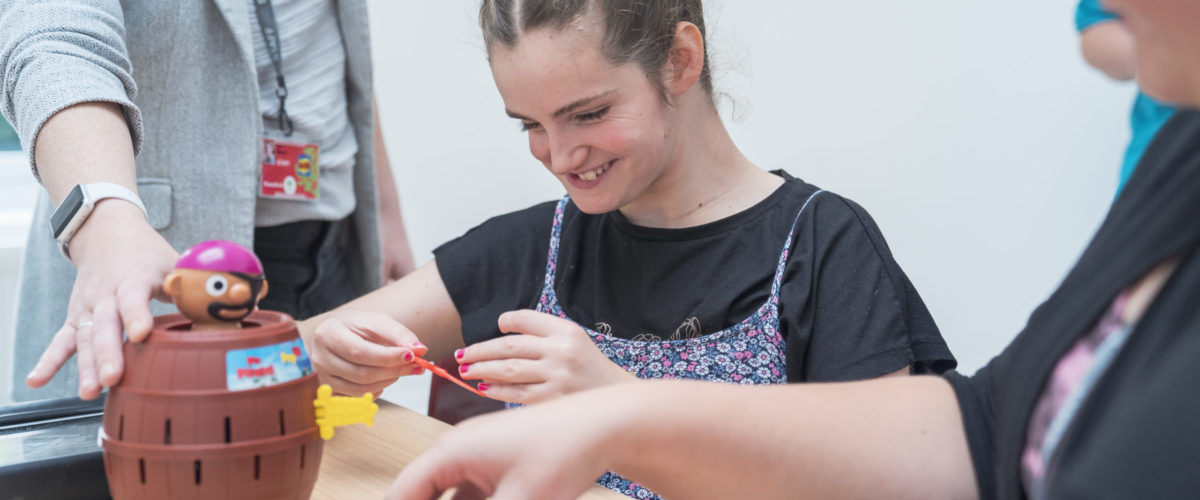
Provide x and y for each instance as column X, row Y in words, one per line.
column 686, row 60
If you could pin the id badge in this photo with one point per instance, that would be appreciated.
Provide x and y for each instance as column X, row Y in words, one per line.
column 289, row 170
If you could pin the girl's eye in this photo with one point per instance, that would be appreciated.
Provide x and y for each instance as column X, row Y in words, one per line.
column 591, row 116
column 528, row 126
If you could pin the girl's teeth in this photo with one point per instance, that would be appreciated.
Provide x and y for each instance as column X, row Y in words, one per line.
column 591, row 176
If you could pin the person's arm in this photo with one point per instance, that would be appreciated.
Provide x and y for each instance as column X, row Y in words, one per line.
column 366, row 344
column 1108, row 47
column 68, row 90
column 888, row 438
column 120, row 260
column 397, row 254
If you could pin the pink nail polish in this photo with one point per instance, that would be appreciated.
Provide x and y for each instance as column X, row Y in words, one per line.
column 460, row 353
column 484, row 387
column 408, row 356
column 463, row 368
column 418, row 344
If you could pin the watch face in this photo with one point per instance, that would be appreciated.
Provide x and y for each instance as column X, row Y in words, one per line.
column 66, row 211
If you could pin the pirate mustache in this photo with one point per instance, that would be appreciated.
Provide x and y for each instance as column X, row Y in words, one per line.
column 256, row 284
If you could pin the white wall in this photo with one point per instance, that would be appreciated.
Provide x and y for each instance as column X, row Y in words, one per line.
column 972, row 132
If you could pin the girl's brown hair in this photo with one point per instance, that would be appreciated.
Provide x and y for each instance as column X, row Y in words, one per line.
column 639, row 31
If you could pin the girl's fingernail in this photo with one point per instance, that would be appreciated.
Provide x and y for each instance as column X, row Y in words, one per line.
column 460, row 353
column 417, row 371
column 463, row 368
column 408, row 356
column 418, row 344
column 484, row 387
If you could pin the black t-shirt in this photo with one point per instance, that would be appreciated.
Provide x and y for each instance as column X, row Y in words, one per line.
column 1137, row 432
column 847, row 310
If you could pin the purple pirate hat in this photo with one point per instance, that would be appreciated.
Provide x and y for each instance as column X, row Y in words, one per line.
column 221, row 256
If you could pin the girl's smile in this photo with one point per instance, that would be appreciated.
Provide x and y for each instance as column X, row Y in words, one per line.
column 591, row 177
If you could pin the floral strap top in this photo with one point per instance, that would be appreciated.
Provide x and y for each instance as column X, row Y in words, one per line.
column 750, row 352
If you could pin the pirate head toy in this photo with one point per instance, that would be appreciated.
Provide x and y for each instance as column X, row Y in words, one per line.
column 216, row 284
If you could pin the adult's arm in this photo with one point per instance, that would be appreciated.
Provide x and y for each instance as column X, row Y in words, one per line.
column 68, row 90
column 885, row 438
column 397, row 254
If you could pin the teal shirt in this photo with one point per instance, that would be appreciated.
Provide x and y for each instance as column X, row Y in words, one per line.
column 1148, row 115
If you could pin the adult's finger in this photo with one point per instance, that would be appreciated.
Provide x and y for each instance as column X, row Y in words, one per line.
column 531, row 322
column 106, row 343
column 427, row 477
column 133, row 305
column 85, row 360
column 61, row 348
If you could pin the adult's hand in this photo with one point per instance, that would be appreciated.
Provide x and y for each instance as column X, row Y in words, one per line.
column 121, row 263
column 551, row 451
column 550, row 357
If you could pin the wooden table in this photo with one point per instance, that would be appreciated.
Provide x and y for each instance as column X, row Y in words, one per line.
column 362, row 462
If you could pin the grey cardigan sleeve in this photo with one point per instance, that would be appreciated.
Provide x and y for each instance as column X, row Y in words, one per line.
column 55, row 54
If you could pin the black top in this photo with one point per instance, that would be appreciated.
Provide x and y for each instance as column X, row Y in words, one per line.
column 1137, row 435
column 847, row 310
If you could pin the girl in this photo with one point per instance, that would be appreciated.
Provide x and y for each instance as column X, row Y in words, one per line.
column 673, row 255
column 1095, row 399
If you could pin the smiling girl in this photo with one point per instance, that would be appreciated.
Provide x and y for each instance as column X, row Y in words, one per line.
column 672, row 255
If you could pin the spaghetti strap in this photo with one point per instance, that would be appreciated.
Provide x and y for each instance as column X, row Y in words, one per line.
column 787, row 249
column 555, row 236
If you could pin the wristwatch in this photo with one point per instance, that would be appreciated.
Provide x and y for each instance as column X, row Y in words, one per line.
column 78, row 204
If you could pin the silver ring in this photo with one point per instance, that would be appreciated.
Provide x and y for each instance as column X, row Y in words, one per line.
column 83, row 325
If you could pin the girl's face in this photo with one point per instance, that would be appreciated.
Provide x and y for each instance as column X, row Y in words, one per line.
column 603, row 130
column 1167, row 36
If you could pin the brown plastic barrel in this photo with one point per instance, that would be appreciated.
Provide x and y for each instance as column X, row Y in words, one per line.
column 172, row 429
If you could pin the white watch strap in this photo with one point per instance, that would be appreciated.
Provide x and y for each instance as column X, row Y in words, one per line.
column 93, row 193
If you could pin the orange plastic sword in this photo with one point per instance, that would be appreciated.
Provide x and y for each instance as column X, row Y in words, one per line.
column 441, row 372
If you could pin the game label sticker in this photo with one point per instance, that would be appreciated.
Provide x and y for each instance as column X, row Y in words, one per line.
column 266, row 366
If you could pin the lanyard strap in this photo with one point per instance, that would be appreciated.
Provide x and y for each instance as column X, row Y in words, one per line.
column 270, row 32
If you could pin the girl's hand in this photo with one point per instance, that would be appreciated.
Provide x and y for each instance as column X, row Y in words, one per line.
column 550, row 451
column 357, row 352
column 553, row 357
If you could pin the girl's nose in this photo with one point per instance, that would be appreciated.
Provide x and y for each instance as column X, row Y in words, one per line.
column 566, row 155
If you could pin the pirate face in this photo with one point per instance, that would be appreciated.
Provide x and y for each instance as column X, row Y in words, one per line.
column 214, row 297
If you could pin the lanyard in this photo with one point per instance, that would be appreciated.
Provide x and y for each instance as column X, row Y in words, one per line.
column 270, row 32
